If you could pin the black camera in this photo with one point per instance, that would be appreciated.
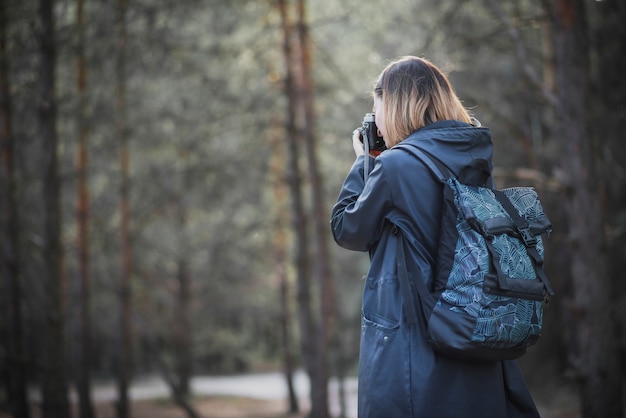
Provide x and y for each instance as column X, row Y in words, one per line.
column 369, row 132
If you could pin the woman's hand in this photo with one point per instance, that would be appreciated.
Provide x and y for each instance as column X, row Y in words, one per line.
column 356, row 143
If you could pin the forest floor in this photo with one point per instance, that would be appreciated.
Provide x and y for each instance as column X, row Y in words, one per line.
column 262, row 396
column 237, row 407
column 207, row 407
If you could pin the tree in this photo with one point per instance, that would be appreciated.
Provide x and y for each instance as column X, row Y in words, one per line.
column 595, row 355
column 9, row 243
column 54, row 381
column 82, row 221
column 279, row 245
column 182, row 310
column 315, row 334
column 308, row 327
column 319, row 215
column 124, row 347
column 608, row 36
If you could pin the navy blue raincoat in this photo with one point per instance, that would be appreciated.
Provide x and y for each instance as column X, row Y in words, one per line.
column 399, row 373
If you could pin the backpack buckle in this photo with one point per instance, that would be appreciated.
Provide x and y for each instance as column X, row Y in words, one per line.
column 529, row 239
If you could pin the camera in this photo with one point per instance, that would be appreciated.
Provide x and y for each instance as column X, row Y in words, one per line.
column 369, row 132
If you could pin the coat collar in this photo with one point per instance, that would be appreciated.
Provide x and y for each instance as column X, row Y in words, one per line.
column 445, row 124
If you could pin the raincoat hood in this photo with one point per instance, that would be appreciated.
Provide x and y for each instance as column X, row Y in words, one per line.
column 454, row 143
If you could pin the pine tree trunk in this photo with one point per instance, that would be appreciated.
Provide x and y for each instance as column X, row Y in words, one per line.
column 124, row 347
column 610, row 96
column 182, row 331
column 308, row 327
column 322, row 271
column 9, row 245
column 82, row 225
column 277, row 167
column 595, row 356
column 54, row 380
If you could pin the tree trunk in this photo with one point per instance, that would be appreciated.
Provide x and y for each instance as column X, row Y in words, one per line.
column 280, row 260
column 9, row 245
column 124, row 348
column 595, row 356
column 308, row 327
column 182, row 330
column 320, row 218
column 171, row 380
column 610, row 118
column 82, row 225
column 54, row 380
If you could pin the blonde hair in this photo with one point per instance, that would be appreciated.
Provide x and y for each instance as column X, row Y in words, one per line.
column 415, row 93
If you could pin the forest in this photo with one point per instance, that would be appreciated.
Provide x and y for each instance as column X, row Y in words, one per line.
column 167, row 170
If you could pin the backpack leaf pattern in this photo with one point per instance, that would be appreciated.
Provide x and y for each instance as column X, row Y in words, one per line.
column 501, row 321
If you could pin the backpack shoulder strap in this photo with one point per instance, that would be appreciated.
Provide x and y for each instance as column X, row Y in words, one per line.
column 438, row 169
column 425, row 298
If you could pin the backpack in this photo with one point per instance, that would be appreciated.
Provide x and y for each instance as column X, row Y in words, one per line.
column 486, row 299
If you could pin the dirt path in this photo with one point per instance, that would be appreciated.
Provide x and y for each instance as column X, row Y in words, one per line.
column 254, row 396
column 265, row 387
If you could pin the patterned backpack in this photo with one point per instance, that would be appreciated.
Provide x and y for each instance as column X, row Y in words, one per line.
column 486, row 301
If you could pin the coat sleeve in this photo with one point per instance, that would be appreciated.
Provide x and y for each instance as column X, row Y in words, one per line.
column 359, row 214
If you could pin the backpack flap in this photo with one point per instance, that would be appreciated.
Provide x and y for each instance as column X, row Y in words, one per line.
column 523, row 206
column 511, row 223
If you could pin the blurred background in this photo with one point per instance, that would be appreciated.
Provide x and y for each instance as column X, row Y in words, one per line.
column 168, row 169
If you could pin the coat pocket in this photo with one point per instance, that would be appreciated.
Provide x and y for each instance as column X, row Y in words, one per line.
column 383, row 368
column 381, row 317
column 382, row 300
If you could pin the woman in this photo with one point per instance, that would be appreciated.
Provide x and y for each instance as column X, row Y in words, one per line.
column 399, row 373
